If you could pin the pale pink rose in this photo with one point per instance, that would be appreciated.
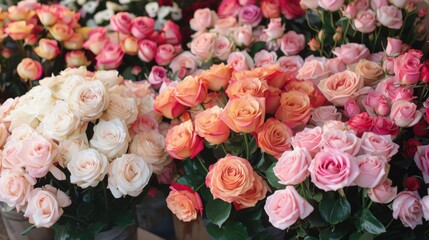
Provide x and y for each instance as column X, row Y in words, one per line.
column 334, row 125
column 405, row 114
column 243, row 35
column 147, row 50
column 264, row 58
column 223, row 47
column 335, row 65
column 388, row 87
column 376, row 104
column 66, row 148
column 240, row 61
column 309, row 138
column 144, row 122
column 45, row 206
column 157, row 76
column 351, row 108
column 378, row 145
column 290, row 65
column 425, row 206
column 110, row 57
column 333, row 170
column 121, row 22
column 292, row 43
column 344, row 141
column 228, row 8
column 203, row 19
column 4, row 134
column 421, row 158
column 407, row 68
column 322, row 114
column 377, row 57
column 164, row 54
column 275, row 29
column 284, row 207
column 292, row 166
column 142, row 27
column 375, row 4
column 403, row 93
column 372, row 170
column 225, row 26
column 383, row 192
column 365, row 21
column 389, row 16
column 87, row 168
column 15, row 186
column 341, row 87
column 203, row 45
column 401, row 3
column 350, row 10
column 313, row 70
column 393, row 46
column 351, row 52
column 331, row 5
column 184, row 61
column 408, row 208
column 110, row 138
column 309, row 4
column 388, row 65
column 250, row 14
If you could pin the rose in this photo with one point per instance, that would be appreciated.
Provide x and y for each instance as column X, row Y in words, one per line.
column 228, row 8
column 209, row 126
column 351, row 52
column 244, row 121
column 389, row 16
column 191, row 91
column 124, row 108
column 243, row 35
column 167, row 105
column 76, row 59
column 294, row 108
column 351, row 108
column 240, row 61
column 409, row 147
column 405, row 114
column 341, row 87
column 270, row 8
column 170, row 33
column 274, row 137
column 217, row 77
column 251, row 86
column 184, row 202
column 29, row 69
column 408, row 208
column 400, row 3
column 88, row 100
column 275, row 29
column 87, row 168
column 365, row 21
column 376, row 104
column 412, row 183
column 142, row 27
column 421, row 128
column 331, row 5
column 393, row 46
column 407, row 68
column 157, row 76
column 383, row 192
column 47, row 49
column 18, row 30
column 322, row 114
column 284, row 207
column 109, row 78
column 121, row 22
column 265, row 58
column 292, row 43
column 370, row 71
column 110, row 138
column 425, row 207
column 257, row 192
column 4, row 134
column 69, row 146
column 334, row 125
column 225, row 26
column 309, row 4
column 186, row 62
column 292, row 167
column 335, row 65
column 146, row 50
column 129, row 45
column 344, row 141
column 144, row 122
column 164, row 54
column 378, row 145
column 60, row 31
column 74, row 42
column 289, row 65
column 203, row 45
column 313, row 70
column 128, row 175
column 384, row 126
column 308, row 138
column 46, row 16
column 15, row 187
column 110, row 57
column 332, row 170
column 96, row 42
column 222, row 47
column 203, row 19
column 45, row 206
column 372, row 170
column 421, row 158
column 230, row 177
column 291, row 9
column 250, row 14
column 182, row 141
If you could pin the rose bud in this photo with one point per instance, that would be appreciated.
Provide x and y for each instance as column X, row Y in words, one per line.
column 412, row 183
column 409, row 148
column 28, row 69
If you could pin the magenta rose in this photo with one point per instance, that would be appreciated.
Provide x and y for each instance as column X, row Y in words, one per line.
column 405, row 114
column 372, row 170
column 351, row 52
column 408, row 208
column 292, row 43
column 384, row 126
column 250, row 14
column 292, row 166
column 378, row 145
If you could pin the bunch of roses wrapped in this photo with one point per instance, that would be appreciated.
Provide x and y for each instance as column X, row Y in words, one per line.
column 79, row 133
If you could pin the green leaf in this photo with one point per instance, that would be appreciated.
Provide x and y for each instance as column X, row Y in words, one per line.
column 26, row 231
column 316, row 220
column 214, row 230
column 317, row 197
column 367, row 222
column 85, row 209
column 272, row 178
column 218, row 211
column 335, row 211
column 125, row 219
column 235, row 231
column 361, row 236
column 336, row 234
column 96, row 227
column 310, row 238
column 206, row 194
column 256, row 47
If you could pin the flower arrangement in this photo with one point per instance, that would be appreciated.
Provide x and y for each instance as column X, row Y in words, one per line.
column 83, row 154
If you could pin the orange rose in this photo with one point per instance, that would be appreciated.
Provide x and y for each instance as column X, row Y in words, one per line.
column 76, row 59
column 217, row 76
column 341, row 87
column 270, row 8
column 28, row 69
column 167, row 105
column 75, row 42
column 61, row 31
column 215, row 99
column 294, row 108
column 47, row 49
column 18, row 30
column 184, row 202
column 182, row 142
column 191, row 91
column 245, row 74
column 274, row 76
column 316, row 97
column 274, row 137
column 253, row 195
column 46, row 16
column 272, row 100
column 19, row 13
column 129, row 45
column 230, row 177
column 209, row 126
column 244, row 114
column 252, row 86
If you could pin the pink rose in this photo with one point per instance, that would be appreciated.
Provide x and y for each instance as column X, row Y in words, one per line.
column 223, row 47
column 335, row 65
column 405, row 114
column 142, row 27
column 351, row 52
column 309, row 138
column 388, row 64
column 275, row 29
column 375, row 4
column 333, row 170
column 203, row 45
column 389, row 16
column 147, row 50
column 408, row 208
column 225, row 26
column 246, row 2
column 334, row 126
column 250, row 14
column 350, row 10
column 184, row 61
column 164, row 54
column 383, row 192
column 110, row 57
column 376, row 104
column 264, row 58
column 243, row 35
column 378, row 145
column 341, row 87
column 407, row 68
column 203, row 19
column 313, row 70
column 425, row 206
column 384, row 126
column 393, row 46
column 344, row 141
column 96, row 42
column 421, row 158
column 121, row 22
column 157, row 76
column 292, row 43
column 170, row 33
column 15, row 186
column 228, row 8
column 400, row 3
column 351, row 108
column 372, row 170
column 322, row 114
column 331, row 5
column 284, row 207
column 240, row 61
column 365, row 21
column 292, row 166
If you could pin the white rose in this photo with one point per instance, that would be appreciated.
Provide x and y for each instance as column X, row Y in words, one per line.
column 152, row 9
column 81, row 71
column 111, row 138
column 150, row 146
column 15, row 187
column 70, row 146
column 68, row 84
column 110, row 78
column 3, row 134
column 87, row 168
column 128, row 175
column 88, row 100
column 145, row 106
column 121, row 107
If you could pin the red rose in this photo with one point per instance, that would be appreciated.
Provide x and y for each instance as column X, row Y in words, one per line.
column 291, row 9
column 409, row 147
column 360, row 123
column 420, row 129
column 165, row 2
column 412, row 183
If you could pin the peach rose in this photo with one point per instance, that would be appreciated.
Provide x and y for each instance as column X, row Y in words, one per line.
column 203, row 45
column 142, row 27
column 225, row 26
column 405, row 114
column 29, row 69
column 351, row 52
column 217, row 77
column 253, row 195
column 209, row 126
column 182, row 141
column 18, row 30
column 378, row 144
column 343, row 141
column 15, row 186
column 4, row 134
column 292, row 167
column 372, row 170
column 292, row 43
column 191, row 91
column 203, row 19
column 167, row 105
column 341, row 87
column 61, row 32
column 74, row 42
column 87, row 168
column 244, row 113
column 251, row 86
column 284, row 207
column 270, row 8
column 184, row 202
column 294, row 108
column 46, row 16
column 309, row 138
column 110, row 138
column 370, row 71
column 96, row 42
column 322, row 114
column 383, row 192
column 274, row 137
column 76, row 59
column 230, row 177
column 129, row 45
column 313, row 70
column 408, row 208
column 47, row 49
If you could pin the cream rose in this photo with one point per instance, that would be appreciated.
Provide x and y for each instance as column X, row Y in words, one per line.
column 370, row 71
column 69, row 146
column 110, row 78
column 124, row 108
column 87, row 168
